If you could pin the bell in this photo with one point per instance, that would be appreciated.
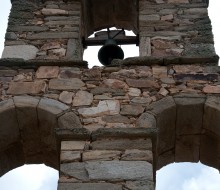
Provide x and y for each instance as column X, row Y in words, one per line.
column 110, row 51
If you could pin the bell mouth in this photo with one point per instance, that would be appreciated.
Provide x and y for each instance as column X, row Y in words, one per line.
column 110, row 51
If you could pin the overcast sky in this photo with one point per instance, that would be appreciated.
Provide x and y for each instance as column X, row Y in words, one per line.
column 184, row 176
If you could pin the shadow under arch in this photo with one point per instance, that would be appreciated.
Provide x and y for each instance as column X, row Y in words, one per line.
column 27, row 131
column 188, row 129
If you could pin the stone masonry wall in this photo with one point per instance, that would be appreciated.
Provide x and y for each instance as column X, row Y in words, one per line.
column 175, row 27
column 48, row 30
column 53, row 29
column 110, row 105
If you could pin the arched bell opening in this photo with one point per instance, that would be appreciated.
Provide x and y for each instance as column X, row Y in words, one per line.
column 124, row 42
column 27, row 132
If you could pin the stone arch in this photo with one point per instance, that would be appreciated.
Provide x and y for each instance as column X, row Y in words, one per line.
column 187, row 129
column 27, row 131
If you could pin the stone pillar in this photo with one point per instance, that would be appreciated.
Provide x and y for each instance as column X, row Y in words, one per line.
column 106, row 163
column 44, row 30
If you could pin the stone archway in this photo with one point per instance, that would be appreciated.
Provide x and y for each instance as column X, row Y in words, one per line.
column 188, row 129
column 27, row 131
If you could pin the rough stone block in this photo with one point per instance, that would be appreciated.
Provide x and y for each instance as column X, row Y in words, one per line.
column 82, row 98
column 211, row 117
column 189, row 115
column 146, row 120
column 28, row 124
column 141, row 83
column 119, row 170
column 101, row 155
column 138, row 155
column 89, row 186
column 25, row 52
column 69, row 120
column 47, row 72
column 18, row 88
column 74, row 49
column 140, row 185
column 75, row 169
column 66, row 84
column 70, row 156
column 165, row 113
column 107, row 107
column 73, row 145
column 131, row 110
column 122, row 144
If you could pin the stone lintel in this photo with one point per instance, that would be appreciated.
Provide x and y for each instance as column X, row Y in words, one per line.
column 10, row 62
column 124, row 133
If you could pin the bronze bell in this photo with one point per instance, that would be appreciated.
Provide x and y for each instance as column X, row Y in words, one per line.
column 110, row 51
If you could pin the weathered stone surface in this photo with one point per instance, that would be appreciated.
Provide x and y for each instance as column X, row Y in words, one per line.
column 122, row 144
column 163, row 92
column 131, row 110
column 134, row 92
column 102, row 90
column 178, row 1
column 25, row 52
column 48, row 110
column 114, row 83
column 141, row 100
column 159, row 72
column 187, row 148
column 70, row 156
column 28, row 28
column 74, row 49
column 52, row 106
column 140, row 185
column 209, row 148
column 66, row 84
column 47, row 72
column 51, row 45
column 82, row 98
column 75, row 169
column 61, row 52
column 108, row 107
column 9, row 130
column 28, row 124
column 69, row 120
column 189, row 115
column 141, row 155
column 50, row 12
column 52, row 35
column 89, row 186
column 141, row 83
column 212, row 89
column 116, row 119
column 18, row 88
column 73, row 145
column 145, row 46
column 119, row 170
column 101, row 155
column 211, row 117
column 69, row 72
column 165, row 113
column 146, row 120
column 66, row 97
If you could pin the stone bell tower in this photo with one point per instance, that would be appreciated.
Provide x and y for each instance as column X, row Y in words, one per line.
column 109, row 127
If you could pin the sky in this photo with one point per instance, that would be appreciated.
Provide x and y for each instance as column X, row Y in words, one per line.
column 181, row 176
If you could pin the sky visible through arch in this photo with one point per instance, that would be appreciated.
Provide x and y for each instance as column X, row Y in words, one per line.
column 184, row 176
